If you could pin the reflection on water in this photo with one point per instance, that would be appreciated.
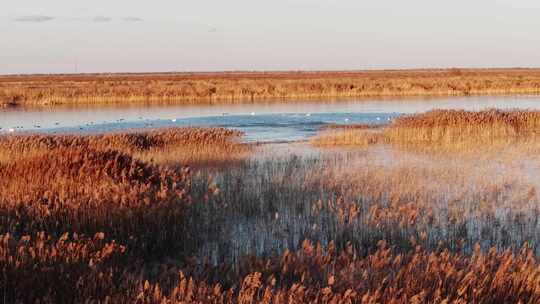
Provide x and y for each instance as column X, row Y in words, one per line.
column 271, row 121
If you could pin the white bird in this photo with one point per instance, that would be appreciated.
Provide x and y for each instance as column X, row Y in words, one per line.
column 378, row 118
column 346, row 119
column 252, row 113
column 308, row 114
column 11, row 130
column 173, row 120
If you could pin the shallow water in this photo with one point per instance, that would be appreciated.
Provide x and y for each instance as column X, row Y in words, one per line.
column 270, row 201
column 261, row 121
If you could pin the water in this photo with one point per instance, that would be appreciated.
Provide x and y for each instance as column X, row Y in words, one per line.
column 261, row 121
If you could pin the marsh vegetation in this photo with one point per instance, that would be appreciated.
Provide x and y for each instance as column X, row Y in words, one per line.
column 440, row 207
column 242, row 86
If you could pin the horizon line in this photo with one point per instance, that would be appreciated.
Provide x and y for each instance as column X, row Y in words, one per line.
column 292, row 71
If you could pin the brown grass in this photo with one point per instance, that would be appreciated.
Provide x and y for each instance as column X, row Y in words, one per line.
column 450, row 126
column 445, row 130
column 194, row 146
column 318, row 275
column 58, row 191
column 91, row 219
column 347, row 136
column 240, row 87
column 313, row 274
column 89, row 191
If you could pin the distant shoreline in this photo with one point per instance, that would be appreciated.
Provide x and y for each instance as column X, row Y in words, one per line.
column 206, row 87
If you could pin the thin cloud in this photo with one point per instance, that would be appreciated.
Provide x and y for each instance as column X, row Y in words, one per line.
column 133, row 19
column 34, row 18
column 101, row 19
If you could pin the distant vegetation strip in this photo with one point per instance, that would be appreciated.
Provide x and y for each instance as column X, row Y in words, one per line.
column 258, row 86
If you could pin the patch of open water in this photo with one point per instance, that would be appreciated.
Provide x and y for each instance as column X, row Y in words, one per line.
column 261, row 121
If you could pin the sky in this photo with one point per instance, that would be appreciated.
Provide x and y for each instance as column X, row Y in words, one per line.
column 67, row 36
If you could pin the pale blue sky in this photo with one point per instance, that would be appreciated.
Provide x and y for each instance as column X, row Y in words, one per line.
column 58, row 36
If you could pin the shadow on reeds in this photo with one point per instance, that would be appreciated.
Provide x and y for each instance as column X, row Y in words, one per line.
column 88, row 192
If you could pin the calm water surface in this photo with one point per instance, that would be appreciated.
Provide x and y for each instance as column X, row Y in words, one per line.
column 266, row 122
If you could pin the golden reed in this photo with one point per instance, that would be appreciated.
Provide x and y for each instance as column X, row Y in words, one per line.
column 92, row 219
column 452, row 130
column 192, row 146
column 241, row 87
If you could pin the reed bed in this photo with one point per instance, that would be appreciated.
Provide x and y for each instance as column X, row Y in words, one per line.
column 374, row 225
column 87, row 192
column 347, row 136
column 194, row 146
column 69, row 268
column 93, row 219
column 363, row 199
column 445, row 130
column 451, row 126
column 313, row 274
column 241, row 87
column 316, row 274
